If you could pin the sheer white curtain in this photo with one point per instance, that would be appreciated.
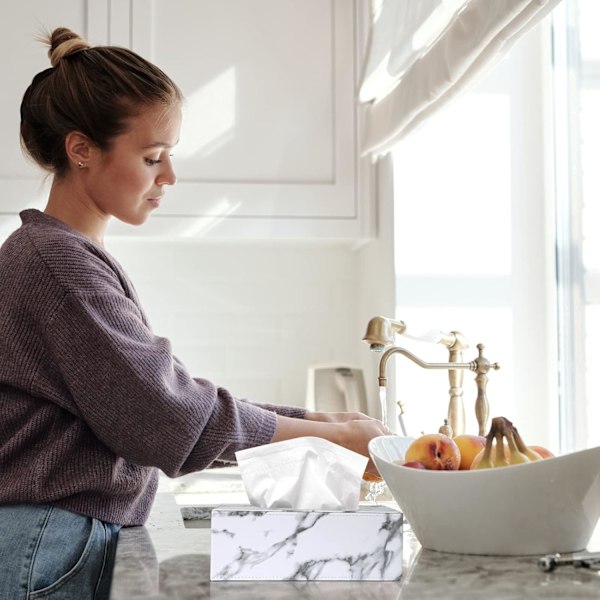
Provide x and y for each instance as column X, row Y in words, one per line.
column 423, row 52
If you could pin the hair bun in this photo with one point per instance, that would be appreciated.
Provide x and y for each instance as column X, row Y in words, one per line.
column 63, row 42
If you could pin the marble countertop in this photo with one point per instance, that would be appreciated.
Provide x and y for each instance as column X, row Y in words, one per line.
column 166, row 560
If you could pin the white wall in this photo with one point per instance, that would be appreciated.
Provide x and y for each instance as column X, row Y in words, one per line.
column 376, row 293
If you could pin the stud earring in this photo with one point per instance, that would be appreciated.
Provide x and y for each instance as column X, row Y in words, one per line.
column 80, row 165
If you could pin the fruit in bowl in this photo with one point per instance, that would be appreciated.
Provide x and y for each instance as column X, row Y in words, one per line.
column 503, row 446
column 543, row 452
column 435, row 451
column 414, row 464
column 470, row 446
column 539, row 507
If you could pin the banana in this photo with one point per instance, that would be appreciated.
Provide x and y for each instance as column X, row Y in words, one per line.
column 515, row 457
column 526, row 450
column 504, row 446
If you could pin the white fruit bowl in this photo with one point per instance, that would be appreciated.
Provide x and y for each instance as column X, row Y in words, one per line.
column 547, row 506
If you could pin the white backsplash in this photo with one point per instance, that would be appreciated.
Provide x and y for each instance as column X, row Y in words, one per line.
column 249, row 316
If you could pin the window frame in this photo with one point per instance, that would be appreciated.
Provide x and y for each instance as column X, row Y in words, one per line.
column 570, row 75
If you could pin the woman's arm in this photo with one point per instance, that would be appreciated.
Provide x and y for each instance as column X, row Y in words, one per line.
column 335, row 417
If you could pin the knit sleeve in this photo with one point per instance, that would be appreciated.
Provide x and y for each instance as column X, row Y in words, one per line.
column 124, row 382
column 295, row 412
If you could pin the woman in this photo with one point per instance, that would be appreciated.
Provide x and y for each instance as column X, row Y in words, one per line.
column 92, row 403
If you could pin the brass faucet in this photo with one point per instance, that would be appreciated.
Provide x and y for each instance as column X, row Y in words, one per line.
column 456, row 343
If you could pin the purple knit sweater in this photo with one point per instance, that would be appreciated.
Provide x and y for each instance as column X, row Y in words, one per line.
column 91, row 401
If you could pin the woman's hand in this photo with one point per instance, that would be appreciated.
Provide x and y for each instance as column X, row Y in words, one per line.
column 352, row 433
column 357, row 434
column 335, row 417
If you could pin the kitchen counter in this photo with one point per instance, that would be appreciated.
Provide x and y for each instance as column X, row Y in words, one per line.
column 166, row 560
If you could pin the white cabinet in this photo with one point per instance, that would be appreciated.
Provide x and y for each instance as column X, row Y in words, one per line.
column 269, row 145
column 21, row 184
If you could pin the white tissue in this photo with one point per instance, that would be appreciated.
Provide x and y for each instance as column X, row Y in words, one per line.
column 306, row 473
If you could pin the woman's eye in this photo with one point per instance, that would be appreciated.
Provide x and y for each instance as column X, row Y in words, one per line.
column 151, row 161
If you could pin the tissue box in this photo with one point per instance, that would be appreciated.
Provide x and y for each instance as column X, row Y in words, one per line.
column 250, row 543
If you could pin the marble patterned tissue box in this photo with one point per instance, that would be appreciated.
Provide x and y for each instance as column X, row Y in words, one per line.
column 255, row 543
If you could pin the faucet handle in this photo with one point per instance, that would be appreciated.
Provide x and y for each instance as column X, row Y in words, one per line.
column 482, row 364
column 482, row 409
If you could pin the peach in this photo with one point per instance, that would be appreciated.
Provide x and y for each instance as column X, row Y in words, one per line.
column 543, row 452
column 414, row 464
column 436, row 451
column 470, row 446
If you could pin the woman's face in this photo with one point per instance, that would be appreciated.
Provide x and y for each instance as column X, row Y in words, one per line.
column 128, row 180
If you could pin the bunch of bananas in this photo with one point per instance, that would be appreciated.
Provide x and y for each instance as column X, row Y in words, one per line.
column 504, row 446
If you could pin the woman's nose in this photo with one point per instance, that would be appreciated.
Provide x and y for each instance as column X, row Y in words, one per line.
column 167, row 176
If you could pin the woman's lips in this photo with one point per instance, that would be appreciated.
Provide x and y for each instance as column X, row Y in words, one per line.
column 155, row 201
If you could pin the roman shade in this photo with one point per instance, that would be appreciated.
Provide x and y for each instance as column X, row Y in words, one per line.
column 422, row 53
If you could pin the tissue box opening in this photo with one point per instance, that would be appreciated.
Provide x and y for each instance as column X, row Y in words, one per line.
column 250, row 543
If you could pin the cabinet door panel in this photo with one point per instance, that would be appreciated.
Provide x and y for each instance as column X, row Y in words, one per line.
column 258, row 81
column 21, row 183
column 269, row 121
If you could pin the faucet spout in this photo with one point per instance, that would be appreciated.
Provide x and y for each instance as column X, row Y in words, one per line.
column 480, row 365
column 472, row 366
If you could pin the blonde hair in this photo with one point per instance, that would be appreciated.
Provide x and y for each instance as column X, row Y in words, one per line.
column 95, row 90
column 63, row 42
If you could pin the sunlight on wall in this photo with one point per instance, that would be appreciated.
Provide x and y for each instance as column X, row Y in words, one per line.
column 202, row 225
column 209, row 116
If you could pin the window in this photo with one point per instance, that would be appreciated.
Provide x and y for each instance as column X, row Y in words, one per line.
column 497, row 210
column 474, row 246
column 577, row 120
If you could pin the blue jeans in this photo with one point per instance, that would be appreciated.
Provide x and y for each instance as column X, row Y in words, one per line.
column 53, row 554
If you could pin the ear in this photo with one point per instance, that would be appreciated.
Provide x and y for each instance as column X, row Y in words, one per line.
column 79, row 148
